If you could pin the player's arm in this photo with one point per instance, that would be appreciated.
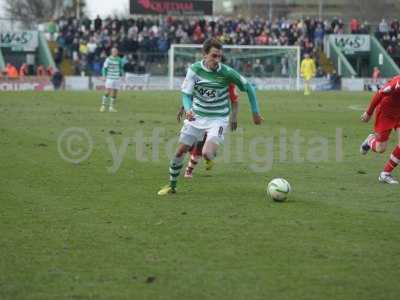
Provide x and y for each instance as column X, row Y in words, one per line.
column 386, row 90
column 187, row 94
column 180, row 113
column 121, row 68
column 233, row 117
column 376, row 99
column 187, row 103
column 251, row 94
column 245, row 86
column 234, row 97
column 104, row 71
column 302, row 66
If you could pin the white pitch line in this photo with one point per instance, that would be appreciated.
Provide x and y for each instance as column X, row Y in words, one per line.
column 358, row 107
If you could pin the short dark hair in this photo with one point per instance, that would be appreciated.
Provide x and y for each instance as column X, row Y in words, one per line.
column 211, row 43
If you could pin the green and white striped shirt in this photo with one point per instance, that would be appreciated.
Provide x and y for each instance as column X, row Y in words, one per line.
column 113, row 68
column 209, row 89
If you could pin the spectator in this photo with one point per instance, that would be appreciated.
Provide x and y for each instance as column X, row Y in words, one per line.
column 3, row 73
column 23, row 70
column 41, row 71
column 52, row 30
column 12, row 71
column 58, row 55
column 354, row 26
column 383, row 28
column 365, row 28
column 262, row 39
column 141, row 68
column 49, row 71
column 57, row 79
column 258, row 68
column 130, row 66
column 376, row 75
column 98, row 23
column 319, row 36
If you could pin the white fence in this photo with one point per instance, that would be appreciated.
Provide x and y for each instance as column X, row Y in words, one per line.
column 146, row 82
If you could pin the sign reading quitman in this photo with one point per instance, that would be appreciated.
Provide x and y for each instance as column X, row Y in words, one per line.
column 167, row 7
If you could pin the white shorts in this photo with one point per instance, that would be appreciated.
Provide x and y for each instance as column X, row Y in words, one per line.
column 193, row 131
column 113, row 84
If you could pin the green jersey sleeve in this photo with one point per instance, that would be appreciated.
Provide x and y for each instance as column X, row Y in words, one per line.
column 244, row 86
column 237, row 79
column 104, row 71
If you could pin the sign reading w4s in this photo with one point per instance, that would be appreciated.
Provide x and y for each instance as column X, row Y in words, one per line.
column 206, row 92
column 350, row 43
column 25, row 40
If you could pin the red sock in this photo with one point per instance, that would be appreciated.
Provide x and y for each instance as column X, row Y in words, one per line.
column 393, row 161
column 372, row 143
column 194, row 159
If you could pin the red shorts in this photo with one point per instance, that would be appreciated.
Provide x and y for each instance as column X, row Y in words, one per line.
column 383, row 136
column 383, row 128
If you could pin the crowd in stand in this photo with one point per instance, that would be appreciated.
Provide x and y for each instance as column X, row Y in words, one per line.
column 389, row 35
column 12, row 72
column 145, row 41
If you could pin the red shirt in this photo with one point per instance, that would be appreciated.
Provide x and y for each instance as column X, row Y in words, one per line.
column 387, row 100
column 376, row 74
column 233, row 96
column 354, row 25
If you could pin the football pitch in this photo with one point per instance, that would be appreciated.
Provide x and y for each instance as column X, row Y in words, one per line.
column 80, row 217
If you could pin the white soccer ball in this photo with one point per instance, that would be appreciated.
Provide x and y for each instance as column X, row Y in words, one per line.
column 278, row 189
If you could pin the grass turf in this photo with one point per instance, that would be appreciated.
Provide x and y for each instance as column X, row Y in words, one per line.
column 97, row 229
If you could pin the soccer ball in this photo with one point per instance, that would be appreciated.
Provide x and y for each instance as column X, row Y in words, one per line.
column 278, row 189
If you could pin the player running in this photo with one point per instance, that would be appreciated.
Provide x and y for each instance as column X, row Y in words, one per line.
column 386, row 104
column 206, row 103
column 197, row 148
column 112, row 71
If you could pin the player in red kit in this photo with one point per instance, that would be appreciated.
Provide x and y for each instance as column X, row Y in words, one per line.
column 386, row 104
column 197, row 149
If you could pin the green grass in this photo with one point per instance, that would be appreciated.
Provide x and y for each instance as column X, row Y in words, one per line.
column 80, row 231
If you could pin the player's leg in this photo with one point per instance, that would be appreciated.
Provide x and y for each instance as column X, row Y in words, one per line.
column 116, row 85
column 175, row 167
column 112, row 100
column 189, row 135
column 105, row 99
column 307, row 90
column 215, row 138
column 377, row 142
column 394, row 160
column 195, row 156
column 209, row 153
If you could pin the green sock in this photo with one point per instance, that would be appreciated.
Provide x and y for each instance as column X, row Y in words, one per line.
column 105, row 100
column 112, row 102
column 175, row 167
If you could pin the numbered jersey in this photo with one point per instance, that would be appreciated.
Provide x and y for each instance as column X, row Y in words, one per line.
column 210, row 89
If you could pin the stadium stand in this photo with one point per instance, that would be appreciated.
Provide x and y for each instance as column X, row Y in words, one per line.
column 388, row 33
column 87, row 43
column 82, row 46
